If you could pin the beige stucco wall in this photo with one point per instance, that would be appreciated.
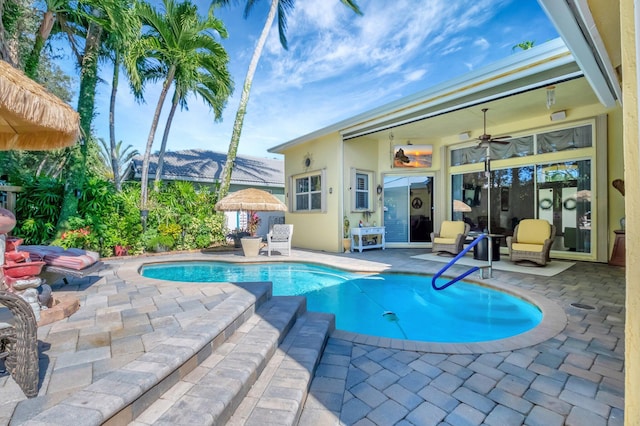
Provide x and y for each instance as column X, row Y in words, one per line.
column 362, row 155
column 615, row 167
column 632, row 212
column 317, row 230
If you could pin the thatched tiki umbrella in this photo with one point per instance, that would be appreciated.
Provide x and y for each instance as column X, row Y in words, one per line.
column 250, row 200
column 32, row 118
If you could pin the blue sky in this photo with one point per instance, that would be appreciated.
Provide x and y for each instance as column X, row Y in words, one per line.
column 338, row 65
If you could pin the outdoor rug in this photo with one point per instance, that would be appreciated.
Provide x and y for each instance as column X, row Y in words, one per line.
column 552, row 268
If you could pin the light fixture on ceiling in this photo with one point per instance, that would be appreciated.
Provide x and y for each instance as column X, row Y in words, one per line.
column 551, row 96
column 464, row 136
column 409, row 142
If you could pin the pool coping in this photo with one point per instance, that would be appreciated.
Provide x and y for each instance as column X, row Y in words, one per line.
column 554, row 318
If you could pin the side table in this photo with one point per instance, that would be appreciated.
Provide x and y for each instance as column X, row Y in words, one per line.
column 619, row 249
column 368, row 237
column 481, row 250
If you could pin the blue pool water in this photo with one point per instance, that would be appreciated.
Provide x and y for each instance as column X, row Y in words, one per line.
column 399, row 306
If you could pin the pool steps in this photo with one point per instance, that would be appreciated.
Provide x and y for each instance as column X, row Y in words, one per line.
column 234, row 361
column 262, row 372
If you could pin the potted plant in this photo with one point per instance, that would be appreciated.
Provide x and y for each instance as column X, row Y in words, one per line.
column 346, row 238
column 251, row 244
column 237, row 236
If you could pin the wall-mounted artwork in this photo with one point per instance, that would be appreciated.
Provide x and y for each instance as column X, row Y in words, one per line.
column 412, row 155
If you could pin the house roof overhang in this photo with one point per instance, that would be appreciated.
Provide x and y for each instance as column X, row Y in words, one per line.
column 597, row 52
column 545, row 65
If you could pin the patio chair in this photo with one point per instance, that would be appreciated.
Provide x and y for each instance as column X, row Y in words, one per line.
column 279, row 239
column 451, row 237
column 19, row 344
column 531, row 241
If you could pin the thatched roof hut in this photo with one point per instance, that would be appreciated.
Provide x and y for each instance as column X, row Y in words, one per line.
column 32, row 118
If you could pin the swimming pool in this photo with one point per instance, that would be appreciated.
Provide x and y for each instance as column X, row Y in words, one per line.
column 400, row 306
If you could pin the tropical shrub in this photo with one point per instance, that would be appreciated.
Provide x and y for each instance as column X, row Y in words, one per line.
column 79, row 236
column 37, row 209
column 181, row 216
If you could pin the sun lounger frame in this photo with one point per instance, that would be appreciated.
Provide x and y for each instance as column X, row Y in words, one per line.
column 53, row 273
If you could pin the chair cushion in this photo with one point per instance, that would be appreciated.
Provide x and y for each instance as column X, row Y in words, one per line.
column 438, row 240
column 451, row 229
column 537, row 248
column 280, row 233
column 533, row 231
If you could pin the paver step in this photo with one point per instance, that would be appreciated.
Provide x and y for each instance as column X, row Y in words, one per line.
column 279, row 394
column 212, row 392
column 121, row 395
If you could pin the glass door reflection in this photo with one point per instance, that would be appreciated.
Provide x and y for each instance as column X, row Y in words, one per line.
column 408, row 208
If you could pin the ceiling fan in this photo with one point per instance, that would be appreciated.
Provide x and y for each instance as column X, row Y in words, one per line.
column 486, row 139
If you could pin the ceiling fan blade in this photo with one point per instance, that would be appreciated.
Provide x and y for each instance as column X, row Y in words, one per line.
column 486, row 139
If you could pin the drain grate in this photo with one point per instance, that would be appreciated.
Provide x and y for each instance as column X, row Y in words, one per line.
column 582, row 306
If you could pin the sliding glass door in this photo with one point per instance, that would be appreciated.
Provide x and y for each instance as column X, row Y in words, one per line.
column 408, row 208
column 558, row 192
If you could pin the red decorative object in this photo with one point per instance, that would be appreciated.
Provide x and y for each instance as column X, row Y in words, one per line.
column 13, row 243
column 121, row 250
column 24, row 269
column 16, row 256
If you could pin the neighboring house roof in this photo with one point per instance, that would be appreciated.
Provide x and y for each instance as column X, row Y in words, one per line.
column 530, row 69
column 198, row 165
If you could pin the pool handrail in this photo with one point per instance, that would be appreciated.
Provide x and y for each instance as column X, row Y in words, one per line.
column 454, row 260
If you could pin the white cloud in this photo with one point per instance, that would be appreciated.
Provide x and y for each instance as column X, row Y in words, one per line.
column 338, row 65
column 481, row 43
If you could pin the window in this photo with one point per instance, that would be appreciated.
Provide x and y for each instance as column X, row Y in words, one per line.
column 362, row 181
column 565, row 139
column 362, row 191
column 553, row 141
column 515, row 147
column 308, row 192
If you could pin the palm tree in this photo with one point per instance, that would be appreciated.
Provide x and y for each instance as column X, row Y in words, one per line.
column 169, row 39
column 206, row 76
column 7, row 52
column 123, row 157
column 96, row 20
column 56, row 11
column 118, row 42
column 282, row 7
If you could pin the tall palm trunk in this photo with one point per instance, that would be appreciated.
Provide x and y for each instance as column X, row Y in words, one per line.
column 115, row 165
column 86, row 106
column 244, row 100
column 165, row 136
column 144, row 184
column 33, row 60
column 5, row 48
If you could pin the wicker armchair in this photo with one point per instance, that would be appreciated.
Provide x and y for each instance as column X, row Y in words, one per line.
column 19, row 344
column 532, row 239
column 451, row 237
column 279, row 239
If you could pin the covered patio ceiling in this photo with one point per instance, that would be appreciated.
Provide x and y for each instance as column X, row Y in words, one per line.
column 507, row 115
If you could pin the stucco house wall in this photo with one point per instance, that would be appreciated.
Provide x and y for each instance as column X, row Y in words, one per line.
column 319, row 230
